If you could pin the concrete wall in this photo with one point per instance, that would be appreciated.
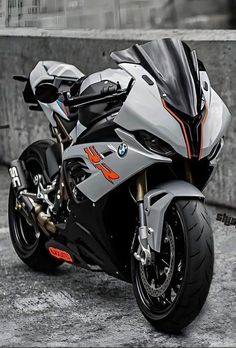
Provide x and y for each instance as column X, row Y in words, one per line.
column 20, row 50
column 124, row 14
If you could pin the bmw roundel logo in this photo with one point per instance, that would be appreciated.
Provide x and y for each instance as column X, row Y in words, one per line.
column 122, row 150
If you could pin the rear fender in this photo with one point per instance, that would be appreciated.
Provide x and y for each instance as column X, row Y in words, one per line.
column 158, row 200
column 47, row 154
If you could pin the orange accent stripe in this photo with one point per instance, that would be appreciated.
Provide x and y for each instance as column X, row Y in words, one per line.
column 92, row 148
column 94, row 157
column 108, row 173
column 202, row 131
column 60, row 254
column 181, row 125
column 92, row 154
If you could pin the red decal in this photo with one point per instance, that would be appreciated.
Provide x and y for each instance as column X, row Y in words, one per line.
column 107, row 172
column 181, row 125
column 95, row 158
column 60, row 254
column 93, row 155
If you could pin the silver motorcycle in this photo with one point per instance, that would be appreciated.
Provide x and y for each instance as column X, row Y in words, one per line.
column 118, row 187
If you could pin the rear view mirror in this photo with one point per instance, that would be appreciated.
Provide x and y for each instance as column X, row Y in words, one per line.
column 46, row 93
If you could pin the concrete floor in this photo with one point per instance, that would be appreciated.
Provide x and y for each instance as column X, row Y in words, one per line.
column 77, row 308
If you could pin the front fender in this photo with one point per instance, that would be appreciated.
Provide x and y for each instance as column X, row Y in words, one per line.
column 158, row 200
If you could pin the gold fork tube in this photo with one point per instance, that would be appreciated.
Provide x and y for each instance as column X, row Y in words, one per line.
column 141, row 186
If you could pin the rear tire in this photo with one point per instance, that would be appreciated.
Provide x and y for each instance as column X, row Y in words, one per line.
column 196, row 266
column 28, row 244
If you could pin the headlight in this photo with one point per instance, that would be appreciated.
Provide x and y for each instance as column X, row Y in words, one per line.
column 155, row 144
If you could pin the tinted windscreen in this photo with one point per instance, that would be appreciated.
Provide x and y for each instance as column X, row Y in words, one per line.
column 175, row 69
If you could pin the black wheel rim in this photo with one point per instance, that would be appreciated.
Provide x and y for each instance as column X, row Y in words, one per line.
column 25, row 235
column 161, row 305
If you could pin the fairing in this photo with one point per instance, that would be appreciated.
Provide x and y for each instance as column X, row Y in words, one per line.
column 174, row 67
column 143, row 109
column 106, row 169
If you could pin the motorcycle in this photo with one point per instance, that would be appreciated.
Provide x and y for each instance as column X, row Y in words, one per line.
column 118, row 187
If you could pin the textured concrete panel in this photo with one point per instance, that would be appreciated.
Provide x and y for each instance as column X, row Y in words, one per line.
column 20, row 50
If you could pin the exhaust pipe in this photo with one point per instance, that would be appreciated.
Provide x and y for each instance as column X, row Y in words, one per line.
column 44, row 219
column 18, row 175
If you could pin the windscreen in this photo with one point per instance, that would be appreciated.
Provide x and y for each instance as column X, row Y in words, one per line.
column 175, row 68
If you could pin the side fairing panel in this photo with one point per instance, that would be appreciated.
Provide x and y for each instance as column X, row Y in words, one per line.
column 216, row 123
column 106, row 168
column 143, row 109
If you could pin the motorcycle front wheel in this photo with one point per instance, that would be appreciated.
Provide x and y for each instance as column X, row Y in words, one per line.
column 172, row 290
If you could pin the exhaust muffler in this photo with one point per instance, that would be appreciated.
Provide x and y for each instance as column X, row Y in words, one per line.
column 18, row 175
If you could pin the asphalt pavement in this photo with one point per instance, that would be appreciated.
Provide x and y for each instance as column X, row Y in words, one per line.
column 78, row 308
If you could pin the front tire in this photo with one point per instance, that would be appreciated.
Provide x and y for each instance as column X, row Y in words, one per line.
column 171, row 304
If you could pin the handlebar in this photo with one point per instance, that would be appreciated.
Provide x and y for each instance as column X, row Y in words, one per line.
column 106, row 95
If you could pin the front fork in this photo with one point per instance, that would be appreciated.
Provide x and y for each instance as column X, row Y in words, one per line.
column 143, row 253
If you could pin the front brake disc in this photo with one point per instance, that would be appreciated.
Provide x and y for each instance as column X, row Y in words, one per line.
column 153, row 288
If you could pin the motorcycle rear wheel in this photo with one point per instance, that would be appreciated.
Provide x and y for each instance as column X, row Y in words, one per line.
column 28, row 243
column 171, row 293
